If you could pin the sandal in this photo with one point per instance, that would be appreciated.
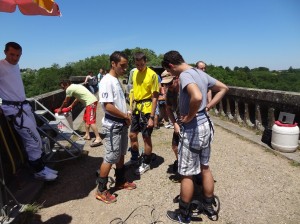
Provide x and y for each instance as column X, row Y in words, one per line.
column 95, row 144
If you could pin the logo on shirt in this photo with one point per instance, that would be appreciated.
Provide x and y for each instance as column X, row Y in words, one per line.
column 104, row 95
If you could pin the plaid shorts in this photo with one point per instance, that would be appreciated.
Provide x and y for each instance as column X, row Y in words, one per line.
column 194, row 149
column 115, row 143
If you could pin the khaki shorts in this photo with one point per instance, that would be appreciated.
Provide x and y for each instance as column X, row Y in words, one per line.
column 115, row 143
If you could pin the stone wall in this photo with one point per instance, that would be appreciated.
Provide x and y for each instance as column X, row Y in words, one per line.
column 258, row 108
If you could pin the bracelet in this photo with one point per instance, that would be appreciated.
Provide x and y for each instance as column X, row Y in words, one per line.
column 152, row 117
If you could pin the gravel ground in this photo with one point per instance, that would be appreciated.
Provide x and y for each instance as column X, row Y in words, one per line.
column 254, row 186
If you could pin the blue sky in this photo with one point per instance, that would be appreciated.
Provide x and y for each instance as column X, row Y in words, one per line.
column 227, row 33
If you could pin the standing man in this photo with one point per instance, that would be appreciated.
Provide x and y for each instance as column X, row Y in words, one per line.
column 197, row 132
column 202, row 66
column 100, row 75
column 16, row 108
column 115, row 126
column 88, row 99
column 145, row 95
column 91, row 82
column 172, row 110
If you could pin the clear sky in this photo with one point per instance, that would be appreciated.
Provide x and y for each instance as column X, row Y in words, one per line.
column 223, row 33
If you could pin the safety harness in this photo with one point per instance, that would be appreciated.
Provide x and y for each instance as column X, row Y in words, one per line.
column 19, row 105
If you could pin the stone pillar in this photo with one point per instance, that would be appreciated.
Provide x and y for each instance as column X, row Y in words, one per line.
column 237, row 112
column 222, row 109
column 247, row 116
column 271, row 117
column 228, row 111
column 258, row 121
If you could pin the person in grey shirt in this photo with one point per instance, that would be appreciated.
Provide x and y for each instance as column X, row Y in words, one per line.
column 196, row 133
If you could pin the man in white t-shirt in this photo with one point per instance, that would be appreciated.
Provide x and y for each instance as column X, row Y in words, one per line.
column 115, row 125
column 18, row 110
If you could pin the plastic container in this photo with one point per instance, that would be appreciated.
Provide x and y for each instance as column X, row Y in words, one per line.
column 285, row 137
column 66, row 121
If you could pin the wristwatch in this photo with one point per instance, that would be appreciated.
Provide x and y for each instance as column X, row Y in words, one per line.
column 152, row 117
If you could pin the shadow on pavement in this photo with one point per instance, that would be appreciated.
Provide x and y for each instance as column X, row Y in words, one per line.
column 62, row 218
column 75, row 181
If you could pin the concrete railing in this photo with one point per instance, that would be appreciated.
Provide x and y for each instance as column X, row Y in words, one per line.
column 253, row 108
column 257, row 108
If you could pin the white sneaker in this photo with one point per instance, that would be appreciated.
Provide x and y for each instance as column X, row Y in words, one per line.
column 49, row 170
column 142, row 169
column 131, row 162
column 45, row 175
column 168, row 125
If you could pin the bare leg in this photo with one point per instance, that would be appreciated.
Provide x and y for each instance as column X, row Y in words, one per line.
column 175, row 150
column 104, row 169
column 148, row 145
column 134, row 141
column 95, row 130
column 208, row 181
column 186, row 189
column 87, row 131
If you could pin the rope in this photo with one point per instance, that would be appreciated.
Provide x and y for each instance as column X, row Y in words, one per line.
column 8, row 151
column 15, row 141
column 153, row 219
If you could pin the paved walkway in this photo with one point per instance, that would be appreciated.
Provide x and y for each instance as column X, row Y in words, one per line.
column 254, row 185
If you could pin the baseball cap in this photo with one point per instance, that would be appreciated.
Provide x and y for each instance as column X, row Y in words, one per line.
column 166, row 77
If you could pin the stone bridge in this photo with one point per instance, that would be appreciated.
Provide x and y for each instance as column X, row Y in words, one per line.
column 254, row 186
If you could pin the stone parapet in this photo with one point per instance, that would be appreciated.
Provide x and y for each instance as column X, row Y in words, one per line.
column 257, row 108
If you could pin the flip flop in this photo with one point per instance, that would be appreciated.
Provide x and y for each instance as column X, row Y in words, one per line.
column 85, row 138
column 95, row 144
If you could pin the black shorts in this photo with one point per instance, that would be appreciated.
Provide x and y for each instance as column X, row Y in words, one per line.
column 175, row 139
column 139, row 123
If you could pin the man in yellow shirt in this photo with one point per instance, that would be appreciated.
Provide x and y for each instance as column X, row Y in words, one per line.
column 145, row 95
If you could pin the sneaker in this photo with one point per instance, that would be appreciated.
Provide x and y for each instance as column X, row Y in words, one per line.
column 105, row 196
column 175, row 216
column 50, row 170
column 209, row 210
column 142, row 169
column 45, row 175
column 169, row 125
column 127, row 186
column 131, row 162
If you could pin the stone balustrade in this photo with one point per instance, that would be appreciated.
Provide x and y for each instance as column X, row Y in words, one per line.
column 257, row 108
column 253, row 108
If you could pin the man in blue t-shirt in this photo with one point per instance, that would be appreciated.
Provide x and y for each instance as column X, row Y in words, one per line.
column 196, row 133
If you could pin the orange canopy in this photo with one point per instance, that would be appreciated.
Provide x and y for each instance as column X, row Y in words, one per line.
column 31, row 7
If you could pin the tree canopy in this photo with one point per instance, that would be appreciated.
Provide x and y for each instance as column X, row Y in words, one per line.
column 44, row 80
